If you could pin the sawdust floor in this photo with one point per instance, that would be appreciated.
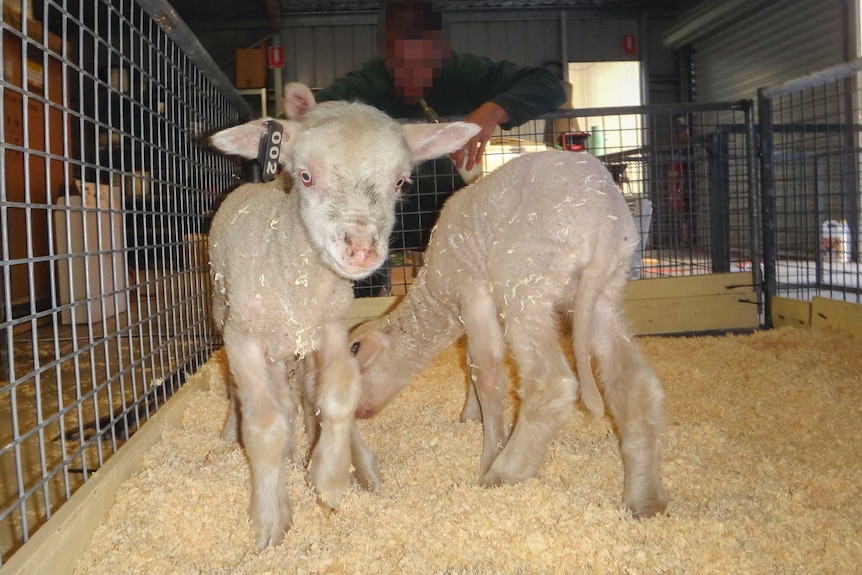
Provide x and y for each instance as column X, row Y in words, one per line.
column 762, row 461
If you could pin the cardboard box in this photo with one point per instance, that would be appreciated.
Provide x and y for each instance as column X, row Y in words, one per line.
column 251, row 68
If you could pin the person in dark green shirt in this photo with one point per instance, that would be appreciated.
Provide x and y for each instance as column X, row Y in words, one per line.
column 418, row 69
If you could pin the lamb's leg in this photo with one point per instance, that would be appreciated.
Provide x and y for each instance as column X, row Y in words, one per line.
column 485, row 354
column 307, row 374
column 230, row 431
column 471, row 410
column 266, row 420
column 548, row 391
column 366, row 469
column 336, row 400
column 636, row 401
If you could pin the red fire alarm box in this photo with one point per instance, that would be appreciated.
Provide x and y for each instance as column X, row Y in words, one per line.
column 574, row 141
column 630, row 45
column 275, row 57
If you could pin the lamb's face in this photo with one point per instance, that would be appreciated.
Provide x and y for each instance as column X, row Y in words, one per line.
column 349, row 190
column 371, row 346
column 348, row 163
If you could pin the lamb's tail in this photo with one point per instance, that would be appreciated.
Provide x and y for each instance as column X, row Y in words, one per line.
column 586, row 295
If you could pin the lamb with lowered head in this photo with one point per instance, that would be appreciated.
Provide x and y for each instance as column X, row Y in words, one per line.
column 282, row 257
column 545, row 238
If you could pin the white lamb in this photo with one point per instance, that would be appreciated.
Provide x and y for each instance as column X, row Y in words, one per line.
column 547, row 236
column 282, row 257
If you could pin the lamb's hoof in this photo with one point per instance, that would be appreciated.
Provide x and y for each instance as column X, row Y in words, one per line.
column 494, row 479
column 501, row 473
column 647, row 509
column 368, row 481
column 469, row 413
column 264, row 539
column 469, row 417
column 327, row 509
column 491, row 482
column 329, row 484
column 230, row 435
column 269, row 528
column 330, row 499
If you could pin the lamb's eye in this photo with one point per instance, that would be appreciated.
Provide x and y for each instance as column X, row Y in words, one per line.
column 354, row 349
column 306, row 178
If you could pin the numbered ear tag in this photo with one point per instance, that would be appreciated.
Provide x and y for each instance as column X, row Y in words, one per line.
column 270, row 150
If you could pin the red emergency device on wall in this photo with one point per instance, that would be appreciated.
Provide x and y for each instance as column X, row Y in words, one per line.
column 574, row 141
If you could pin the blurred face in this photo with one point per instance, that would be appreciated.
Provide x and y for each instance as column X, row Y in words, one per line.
column 413, row 65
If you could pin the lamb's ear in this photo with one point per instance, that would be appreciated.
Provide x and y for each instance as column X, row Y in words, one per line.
column 367, row 347
column 298, row 100
column 244, row 140
column 434, row 140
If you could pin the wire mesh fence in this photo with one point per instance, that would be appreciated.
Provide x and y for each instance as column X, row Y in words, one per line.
column 810, row 139
column 105, row 200
column 688, row 172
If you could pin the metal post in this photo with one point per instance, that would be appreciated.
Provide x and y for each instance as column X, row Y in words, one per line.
column 277, row 79
column 753, row 146
column 719, row 197
column 769, row 222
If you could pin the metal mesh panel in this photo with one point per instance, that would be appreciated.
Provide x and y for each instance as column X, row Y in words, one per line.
column 686, row 170
column 810, row 185
column 105, row 202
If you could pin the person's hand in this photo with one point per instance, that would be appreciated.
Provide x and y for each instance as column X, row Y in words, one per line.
column 487, row 116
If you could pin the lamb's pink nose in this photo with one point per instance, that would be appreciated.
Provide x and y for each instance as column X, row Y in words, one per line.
column 361, row 250
column 365, row 411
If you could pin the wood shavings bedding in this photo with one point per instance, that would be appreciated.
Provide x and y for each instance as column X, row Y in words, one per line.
column 762, row 460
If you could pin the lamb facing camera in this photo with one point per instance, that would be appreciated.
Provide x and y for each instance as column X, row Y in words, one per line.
column 282, row 257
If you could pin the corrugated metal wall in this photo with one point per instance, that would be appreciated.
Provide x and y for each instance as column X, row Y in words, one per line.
column 786, row 40
column 320, row 48
column 528, row 39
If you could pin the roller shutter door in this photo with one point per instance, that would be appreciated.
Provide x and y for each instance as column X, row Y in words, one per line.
column 782, row 41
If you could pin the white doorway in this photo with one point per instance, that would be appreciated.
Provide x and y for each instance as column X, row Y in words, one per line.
column 610, row 84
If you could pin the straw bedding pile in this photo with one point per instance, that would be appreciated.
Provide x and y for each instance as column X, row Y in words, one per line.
column 762, row 462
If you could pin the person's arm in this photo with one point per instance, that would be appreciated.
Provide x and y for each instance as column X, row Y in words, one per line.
column 487, row 116
column 524, row 92
column 505, row 95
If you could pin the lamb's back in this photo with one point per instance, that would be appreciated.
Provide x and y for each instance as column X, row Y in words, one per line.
column 532, row 223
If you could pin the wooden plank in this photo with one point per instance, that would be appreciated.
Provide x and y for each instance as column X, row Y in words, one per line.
column 690, row 314
column 668, row 305
column 841, row 315
column 786, row 311
column 368, row 308
column 60, row 542
column 711, row 302
column 711, row 284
